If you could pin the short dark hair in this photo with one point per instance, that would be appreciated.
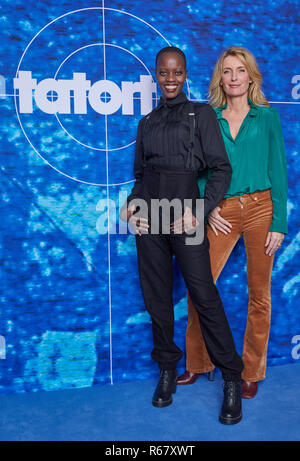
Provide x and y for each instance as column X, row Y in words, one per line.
column 170, row 49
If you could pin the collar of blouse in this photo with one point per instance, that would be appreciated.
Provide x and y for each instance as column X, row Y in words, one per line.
column 252, row 112
column 170, row 102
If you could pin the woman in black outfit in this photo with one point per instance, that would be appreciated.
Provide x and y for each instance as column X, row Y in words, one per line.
column 175, row 142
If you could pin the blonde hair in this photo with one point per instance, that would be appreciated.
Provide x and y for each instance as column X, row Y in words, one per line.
column 217, row 96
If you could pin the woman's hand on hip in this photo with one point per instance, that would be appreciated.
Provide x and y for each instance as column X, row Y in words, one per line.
column 217, row 223
column 273, row 242
column 139, row 224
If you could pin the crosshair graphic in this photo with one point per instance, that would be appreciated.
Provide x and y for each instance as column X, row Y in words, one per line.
column 79, row 169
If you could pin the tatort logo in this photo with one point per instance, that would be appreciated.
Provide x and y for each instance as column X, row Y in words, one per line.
column 104, row 96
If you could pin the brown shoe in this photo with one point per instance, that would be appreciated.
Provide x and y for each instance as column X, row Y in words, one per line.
column 187, row 378
column 249, row 390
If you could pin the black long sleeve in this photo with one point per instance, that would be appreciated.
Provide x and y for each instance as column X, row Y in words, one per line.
column 215, row 156
column 163, row 138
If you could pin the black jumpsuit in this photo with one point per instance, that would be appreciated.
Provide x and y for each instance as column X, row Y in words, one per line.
column 165, row 166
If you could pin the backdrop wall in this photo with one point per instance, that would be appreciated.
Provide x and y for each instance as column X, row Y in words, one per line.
column 72, row 312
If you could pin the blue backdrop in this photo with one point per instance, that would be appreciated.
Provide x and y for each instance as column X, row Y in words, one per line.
column 72, row 312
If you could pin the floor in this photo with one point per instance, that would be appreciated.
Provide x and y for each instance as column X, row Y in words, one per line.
column 123, row 412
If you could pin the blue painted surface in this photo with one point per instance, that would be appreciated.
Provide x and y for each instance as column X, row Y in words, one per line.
column 72, row 312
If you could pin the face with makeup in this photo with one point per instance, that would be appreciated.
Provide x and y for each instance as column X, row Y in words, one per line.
column 170, row 74
column 235, row 77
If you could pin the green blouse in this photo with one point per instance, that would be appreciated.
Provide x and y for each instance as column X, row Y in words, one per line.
column 257, row 158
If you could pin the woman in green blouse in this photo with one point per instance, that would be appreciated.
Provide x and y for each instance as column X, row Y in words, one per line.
column 254, row 206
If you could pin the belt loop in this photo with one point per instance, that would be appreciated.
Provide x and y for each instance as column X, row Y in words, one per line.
column 254, row 196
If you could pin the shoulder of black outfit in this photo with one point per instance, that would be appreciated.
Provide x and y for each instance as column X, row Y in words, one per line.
column 200, row 108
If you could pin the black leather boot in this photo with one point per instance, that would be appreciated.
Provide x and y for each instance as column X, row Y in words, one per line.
column 166, row 386
column 231, row 412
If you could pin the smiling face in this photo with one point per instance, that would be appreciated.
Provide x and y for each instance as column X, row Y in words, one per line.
column 235, row 77
column 170, row 74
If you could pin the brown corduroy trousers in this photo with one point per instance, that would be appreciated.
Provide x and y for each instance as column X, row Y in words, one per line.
column 251, row 216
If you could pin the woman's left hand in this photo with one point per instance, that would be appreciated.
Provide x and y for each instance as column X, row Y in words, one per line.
column 273, row 242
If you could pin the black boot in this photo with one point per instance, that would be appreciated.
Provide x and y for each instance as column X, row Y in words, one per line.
column 166, row 386
column 231, row 412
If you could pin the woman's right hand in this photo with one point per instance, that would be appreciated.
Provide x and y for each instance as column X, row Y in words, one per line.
column 137, row 223
column 216, row 222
